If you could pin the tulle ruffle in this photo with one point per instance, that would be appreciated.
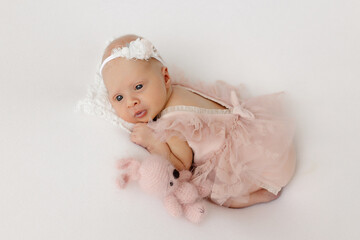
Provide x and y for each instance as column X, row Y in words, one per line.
column 238, row 154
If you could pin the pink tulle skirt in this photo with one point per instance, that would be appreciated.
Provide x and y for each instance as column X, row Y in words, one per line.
column 247, row 146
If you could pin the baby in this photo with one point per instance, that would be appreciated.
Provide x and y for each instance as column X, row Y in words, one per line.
column 244, row 148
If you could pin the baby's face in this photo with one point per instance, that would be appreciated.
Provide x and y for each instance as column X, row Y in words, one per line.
column 138, row 89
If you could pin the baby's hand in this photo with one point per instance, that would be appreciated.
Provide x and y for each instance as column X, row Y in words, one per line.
column 142, row 135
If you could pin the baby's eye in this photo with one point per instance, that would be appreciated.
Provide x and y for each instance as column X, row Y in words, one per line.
column 118, row 98
column 139, row 86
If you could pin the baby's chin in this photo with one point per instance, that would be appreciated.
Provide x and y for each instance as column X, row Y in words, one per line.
column 134, row 121
column 147, row 118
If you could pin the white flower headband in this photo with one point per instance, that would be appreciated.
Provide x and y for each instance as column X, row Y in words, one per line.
column 96, row 101
column 138, row 49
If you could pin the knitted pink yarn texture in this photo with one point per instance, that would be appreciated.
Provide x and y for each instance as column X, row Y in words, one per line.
column 157, row 176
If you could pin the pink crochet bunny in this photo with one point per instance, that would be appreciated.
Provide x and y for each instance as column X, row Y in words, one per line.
column 156, row 175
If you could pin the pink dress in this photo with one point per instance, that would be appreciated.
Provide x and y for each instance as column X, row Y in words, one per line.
column 247, row 146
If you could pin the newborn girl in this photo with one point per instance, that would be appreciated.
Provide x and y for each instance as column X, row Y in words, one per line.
column 245, row 148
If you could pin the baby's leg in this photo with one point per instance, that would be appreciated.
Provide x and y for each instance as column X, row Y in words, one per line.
column 259, row 196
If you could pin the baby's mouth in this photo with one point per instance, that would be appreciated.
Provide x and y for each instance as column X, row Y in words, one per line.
column 140, row 114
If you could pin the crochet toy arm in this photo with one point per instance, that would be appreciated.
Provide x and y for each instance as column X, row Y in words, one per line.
column 185, row 175
column 173, row 206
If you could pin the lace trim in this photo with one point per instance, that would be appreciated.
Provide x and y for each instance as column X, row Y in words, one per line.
column 193, row 109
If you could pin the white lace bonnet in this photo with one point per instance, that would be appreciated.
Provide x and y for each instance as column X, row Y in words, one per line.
column 96, row 101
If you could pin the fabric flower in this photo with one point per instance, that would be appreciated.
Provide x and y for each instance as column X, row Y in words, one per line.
column 148, row 48
column 125, row 52
column 137, row 49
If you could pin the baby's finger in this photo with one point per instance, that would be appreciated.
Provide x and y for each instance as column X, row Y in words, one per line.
column 134, row 139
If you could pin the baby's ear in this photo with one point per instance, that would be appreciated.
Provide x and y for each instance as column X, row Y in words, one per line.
column 165, row 73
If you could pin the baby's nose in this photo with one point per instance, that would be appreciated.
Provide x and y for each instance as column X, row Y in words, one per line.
column 132, row 102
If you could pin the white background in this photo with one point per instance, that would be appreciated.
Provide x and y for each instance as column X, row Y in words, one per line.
column 57, row 167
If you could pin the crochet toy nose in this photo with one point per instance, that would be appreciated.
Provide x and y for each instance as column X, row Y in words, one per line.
column 176, row 174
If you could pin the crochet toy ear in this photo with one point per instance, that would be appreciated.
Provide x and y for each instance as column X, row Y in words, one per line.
column 131, row 171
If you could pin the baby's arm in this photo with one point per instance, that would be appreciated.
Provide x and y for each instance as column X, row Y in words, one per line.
column 177, row 151
column 181, row 154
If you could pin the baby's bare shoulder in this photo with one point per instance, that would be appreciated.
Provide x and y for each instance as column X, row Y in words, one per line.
column 185, row 97
column 179, row 96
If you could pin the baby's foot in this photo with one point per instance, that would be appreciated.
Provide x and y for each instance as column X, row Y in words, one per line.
column 263, row 196
column 260, row 196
